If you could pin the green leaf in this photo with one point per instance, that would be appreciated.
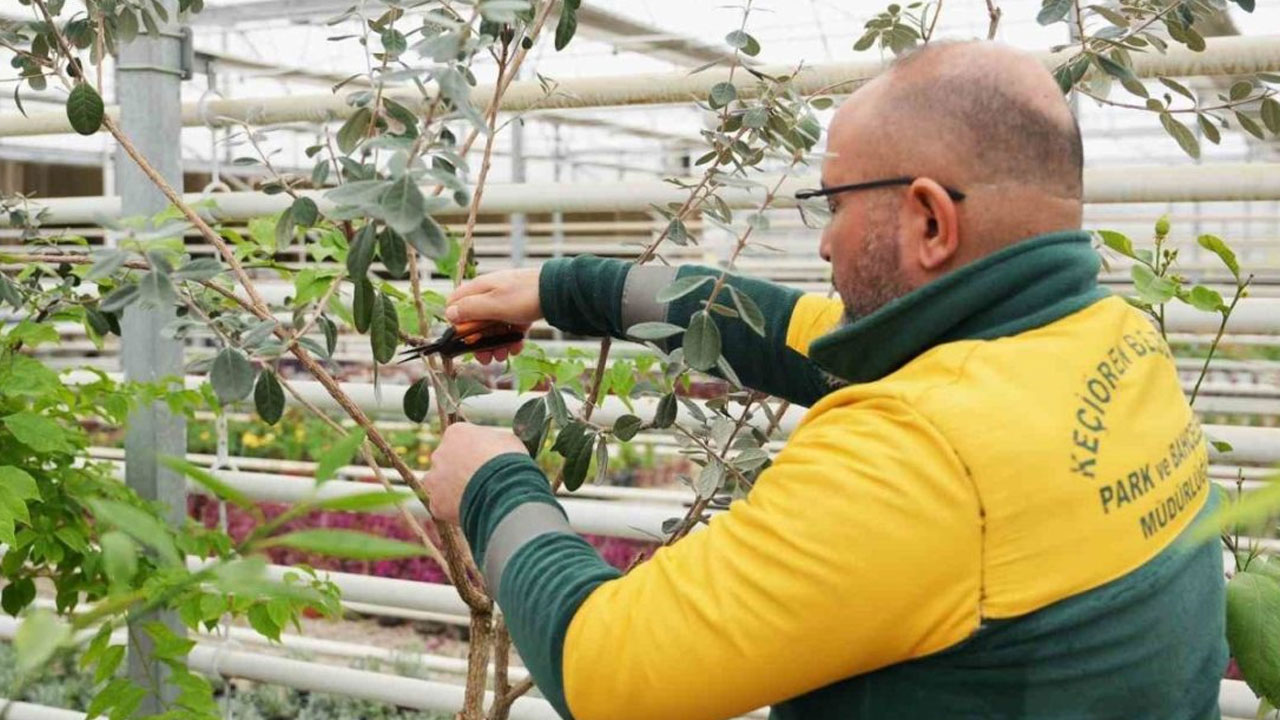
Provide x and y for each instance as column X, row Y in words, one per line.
column 401, row 205
column 139, row 525
column 743, row 41
column 1179, row 132
column 1177, row 87
column 362, row 304
column 428, row 238
column 653, row 330
column 1150, row 287
column 529, row 424
column 261, row 621
column 626, row 427
column 1115, row 69
column 1209, row 129
column 304, row 211
column 1247, row 124
column 105, row 264
column 417, row 400
column 750, row 459
column 108, row 663
column 665, row 415
column 702, row 342
column 566, row 27
column 393, row 42
column 1217, row 246
column 354, row 130
column 555, row 403
column 722, row 94
column 677, row 232
column 330, row 330
column 348, row 544
column 119, row 558
column 1240, row 90
column 1270, row 113
column 118, row 299
column 756, row 118
column 364, row 501
column 575, row 443
column 1221, row 446
column 866, row 41
column 39, row 636
column 360, row 255
column 268, row 397
column 748, row 310
column 338, row 455
column 199, row 269
column 1052, row 11
column 391, row 249
column 85, row 109
column 232, row 375
column 682, row 287
column 1253, row 624
column 384, row 329
column 709, row 479
column 38, row 432
column 17, row 595
column 210, row 481
column 1206, row 299
column 1116, row 241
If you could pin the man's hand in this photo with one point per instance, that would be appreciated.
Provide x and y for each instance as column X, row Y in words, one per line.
column 462, row 450
column 510, row 296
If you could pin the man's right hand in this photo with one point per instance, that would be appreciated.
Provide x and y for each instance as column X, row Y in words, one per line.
column 509, row 296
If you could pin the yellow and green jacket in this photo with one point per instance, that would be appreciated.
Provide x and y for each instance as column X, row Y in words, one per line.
column 983, row 522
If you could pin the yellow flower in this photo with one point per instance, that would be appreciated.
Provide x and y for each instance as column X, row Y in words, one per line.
column 401, row 450
column 205, row 435
column 250, row 440
column 423, row 458
column 268, row 439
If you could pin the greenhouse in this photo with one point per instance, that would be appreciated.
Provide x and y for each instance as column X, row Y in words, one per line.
column 534, row 359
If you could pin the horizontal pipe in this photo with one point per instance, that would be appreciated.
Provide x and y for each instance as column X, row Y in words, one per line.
column 1222, row 56
column 225, row 661
column 1112, row 184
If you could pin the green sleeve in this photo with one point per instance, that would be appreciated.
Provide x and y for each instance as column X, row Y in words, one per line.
column 587, row 295
column 545, row 571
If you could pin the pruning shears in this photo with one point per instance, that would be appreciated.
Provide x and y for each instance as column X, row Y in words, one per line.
column 465, row 338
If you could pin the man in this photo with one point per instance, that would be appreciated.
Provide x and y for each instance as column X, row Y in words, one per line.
column 980, row 519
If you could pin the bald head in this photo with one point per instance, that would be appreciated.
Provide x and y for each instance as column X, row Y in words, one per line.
column 977, row 117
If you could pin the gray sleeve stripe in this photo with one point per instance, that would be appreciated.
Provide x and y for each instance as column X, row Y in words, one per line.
column 639, row 293
column 519, row 527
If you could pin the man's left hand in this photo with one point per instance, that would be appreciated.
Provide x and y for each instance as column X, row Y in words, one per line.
column 462, row 450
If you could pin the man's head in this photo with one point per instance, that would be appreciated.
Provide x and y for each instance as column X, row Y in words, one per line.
column 976, row 117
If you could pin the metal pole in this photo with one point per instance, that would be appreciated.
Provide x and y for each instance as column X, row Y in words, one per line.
column 148, row 80
column 518, row 225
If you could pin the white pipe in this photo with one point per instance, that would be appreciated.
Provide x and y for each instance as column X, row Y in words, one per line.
column 221, row 660
column 1223, row 56
column 29, row 711
column 1113, row 184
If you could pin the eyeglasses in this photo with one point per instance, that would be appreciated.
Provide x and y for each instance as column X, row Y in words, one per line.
column 816, row 215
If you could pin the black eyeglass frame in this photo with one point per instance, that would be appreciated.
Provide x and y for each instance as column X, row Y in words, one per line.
column 888, row 182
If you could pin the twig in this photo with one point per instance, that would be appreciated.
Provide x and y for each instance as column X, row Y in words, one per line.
column 1224, row 106
column 366, row 453
column 937, row 10
column 1222, row 326
column 993, row 12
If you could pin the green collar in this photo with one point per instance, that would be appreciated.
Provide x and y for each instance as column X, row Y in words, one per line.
column 1023, row 286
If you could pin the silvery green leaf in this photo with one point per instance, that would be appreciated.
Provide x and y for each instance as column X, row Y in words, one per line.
column 156, row 290
column 682, row 287
column 257, row 333
column 750, row 459
column 358, row 193
column 709, row 479
column 401, row 205
column 205, row 268
column 232, row 375
column 105, row 264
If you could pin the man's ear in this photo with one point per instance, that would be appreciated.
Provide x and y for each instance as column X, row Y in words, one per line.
column 932, row 223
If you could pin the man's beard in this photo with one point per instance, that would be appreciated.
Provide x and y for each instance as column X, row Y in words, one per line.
column 876, row 275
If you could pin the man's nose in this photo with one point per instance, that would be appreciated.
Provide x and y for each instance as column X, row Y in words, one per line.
column 824, row 246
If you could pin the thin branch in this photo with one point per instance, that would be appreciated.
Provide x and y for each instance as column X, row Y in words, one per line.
column 993, row 12
column 1224, row 106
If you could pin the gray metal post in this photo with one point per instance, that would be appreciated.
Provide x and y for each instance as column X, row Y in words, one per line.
column 148, row 80
column 519, row 232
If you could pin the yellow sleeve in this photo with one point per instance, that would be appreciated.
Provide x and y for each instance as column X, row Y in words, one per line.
column 812, row 317
column 857, row 549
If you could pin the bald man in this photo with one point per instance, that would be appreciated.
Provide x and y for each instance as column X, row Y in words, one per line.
column 980, row 514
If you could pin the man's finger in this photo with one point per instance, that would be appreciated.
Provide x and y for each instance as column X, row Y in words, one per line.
column 475, row 307
column 500, row 354
column 479, row 285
